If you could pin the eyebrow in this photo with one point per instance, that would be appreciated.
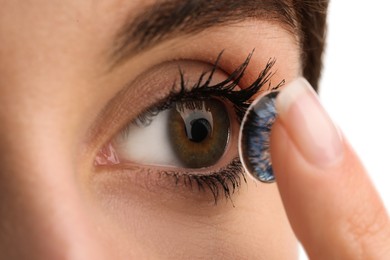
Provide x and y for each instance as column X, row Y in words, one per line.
column 168, row 19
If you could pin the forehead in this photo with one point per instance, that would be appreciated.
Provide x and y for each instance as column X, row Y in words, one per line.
column 119, row 27
column 144, row 20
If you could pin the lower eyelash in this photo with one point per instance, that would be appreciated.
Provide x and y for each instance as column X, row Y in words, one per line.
column 222, row 182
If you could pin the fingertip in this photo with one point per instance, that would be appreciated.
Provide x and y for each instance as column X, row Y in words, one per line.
column 308, row 124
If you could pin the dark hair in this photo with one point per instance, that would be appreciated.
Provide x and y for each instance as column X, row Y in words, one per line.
column 311, row 18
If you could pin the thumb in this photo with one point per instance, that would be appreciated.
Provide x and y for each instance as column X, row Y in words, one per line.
column 332, row 206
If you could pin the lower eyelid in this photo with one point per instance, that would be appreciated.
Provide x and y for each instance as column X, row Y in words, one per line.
column 202, row 186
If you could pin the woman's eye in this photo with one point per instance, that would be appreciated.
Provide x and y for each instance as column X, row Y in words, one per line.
column 191, row 135
column 188, row 134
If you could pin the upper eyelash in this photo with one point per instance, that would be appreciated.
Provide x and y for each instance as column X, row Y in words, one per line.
column 226, row 89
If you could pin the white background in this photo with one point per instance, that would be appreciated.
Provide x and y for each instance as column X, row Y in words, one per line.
column 355, row 85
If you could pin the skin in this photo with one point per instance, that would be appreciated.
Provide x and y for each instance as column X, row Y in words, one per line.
column 60, row 104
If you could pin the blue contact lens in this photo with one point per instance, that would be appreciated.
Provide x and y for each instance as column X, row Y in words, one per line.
column 254, row 140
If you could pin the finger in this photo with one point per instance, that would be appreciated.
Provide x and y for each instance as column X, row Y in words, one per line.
column 332, row 206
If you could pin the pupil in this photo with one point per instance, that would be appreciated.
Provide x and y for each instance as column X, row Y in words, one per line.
column 200, row 130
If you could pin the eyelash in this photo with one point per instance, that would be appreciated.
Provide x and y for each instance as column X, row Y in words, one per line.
column 229, row 178
column 224, row 90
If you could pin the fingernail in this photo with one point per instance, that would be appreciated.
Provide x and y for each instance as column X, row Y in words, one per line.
column 308, row 124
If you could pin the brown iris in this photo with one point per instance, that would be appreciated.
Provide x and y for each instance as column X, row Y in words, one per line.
column 199, row 132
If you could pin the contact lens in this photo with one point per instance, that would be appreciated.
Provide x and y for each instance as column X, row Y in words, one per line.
column 254, row 139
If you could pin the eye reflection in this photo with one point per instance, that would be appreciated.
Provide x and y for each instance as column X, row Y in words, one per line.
column 190, row 134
